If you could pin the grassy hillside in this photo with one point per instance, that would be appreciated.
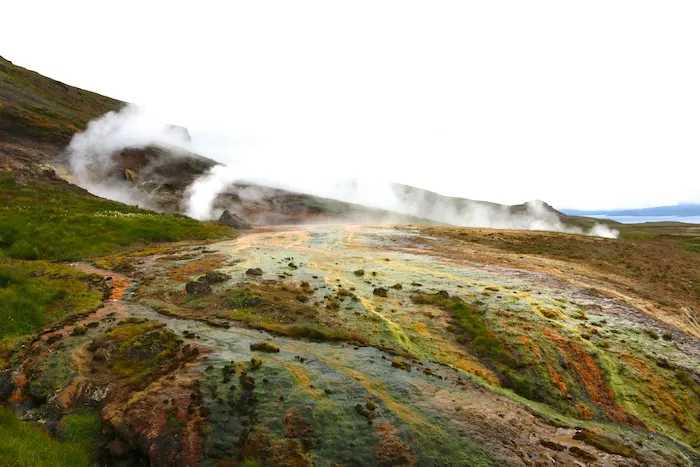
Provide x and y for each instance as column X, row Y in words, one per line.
column 38, row 108
column 59, row 221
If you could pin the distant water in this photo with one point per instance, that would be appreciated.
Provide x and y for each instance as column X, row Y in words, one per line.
column 640, row 219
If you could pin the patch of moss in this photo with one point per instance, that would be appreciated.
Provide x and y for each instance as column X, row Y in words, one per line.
column 469, row 326
column 265, row 347
column 142, row 346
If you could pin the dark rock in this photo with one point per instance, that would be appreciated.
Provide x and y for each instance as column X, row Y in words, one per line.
column 92, row 324
column 232, row 220
column 663, row 363
column 118, row 449
column 214, row 277
column 397, row 287
column 381, row 292
column 53, row 339
column 79, row 331
column 581, row 454
column 7, row 385
column 552, row 445
column 254, row 272
column 359, row 272
column 398, row 363
column 197, row 288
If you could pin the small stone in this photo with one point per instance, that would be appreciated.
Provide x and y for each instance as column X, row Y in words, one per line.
column 398, row 363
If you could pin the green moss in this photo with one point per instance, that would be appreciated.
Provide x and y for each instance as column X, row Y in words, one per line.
column 470, row 327
column 83, row 427
column 51, row 220
column 140, row 347
column 24, row 444
column 244, row 298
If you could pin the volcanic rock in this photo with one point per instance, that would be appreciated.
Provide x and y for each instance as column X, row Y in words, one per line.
column 232, row 220
column 197, row 288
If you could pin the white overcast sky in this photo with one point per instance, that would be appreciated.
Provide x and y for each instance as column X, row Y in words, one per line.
column 591, row 104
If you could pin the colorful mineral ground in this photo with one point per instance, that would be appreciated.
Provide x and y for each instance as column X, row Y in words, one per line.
column 348, row 345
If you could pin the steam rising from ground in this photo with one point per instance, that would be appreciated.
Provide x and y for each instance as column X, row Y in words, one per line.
column 91, row 153
column 91, row 159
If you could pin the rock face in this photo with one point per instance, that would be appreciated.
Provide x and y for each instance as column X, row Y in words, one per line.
column 232, row 220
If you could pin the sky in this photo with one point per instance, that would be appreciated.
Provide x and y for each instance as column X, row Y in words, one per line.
column 589, row 105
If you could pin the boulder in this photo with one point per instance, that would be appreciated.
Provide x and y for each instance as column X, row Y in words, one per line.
column 232, row 220
column 197, row 288
column 214, row 277
column 130, row 175
column 254, row 272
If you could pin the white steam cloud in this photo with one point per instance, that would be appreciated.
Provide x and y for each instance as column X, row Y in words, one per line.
column 90, row 154
column 91, row 158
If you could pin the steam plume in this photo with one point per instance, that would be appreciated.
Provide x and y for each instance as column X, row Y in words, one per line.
column 91, row 158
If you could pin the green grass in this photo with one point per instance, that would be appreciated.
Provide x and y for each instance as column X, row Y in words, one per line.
column 23, row 444
column 34, row 294
column 83, row 427
column 58, row 221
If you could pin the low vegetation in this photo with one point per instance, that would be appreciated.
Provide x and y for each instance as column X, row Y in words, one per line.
column 34, row 294
column 59, row 221
column 24, row 444
column 660, row 259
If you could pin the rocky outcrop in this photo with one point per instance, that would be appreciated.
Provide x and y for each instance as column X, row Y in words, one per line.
column 233, row 220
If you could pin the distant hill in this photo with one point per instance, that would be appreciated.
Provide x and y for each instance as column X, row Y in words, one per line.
column 692, row 209
column 533, row 215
